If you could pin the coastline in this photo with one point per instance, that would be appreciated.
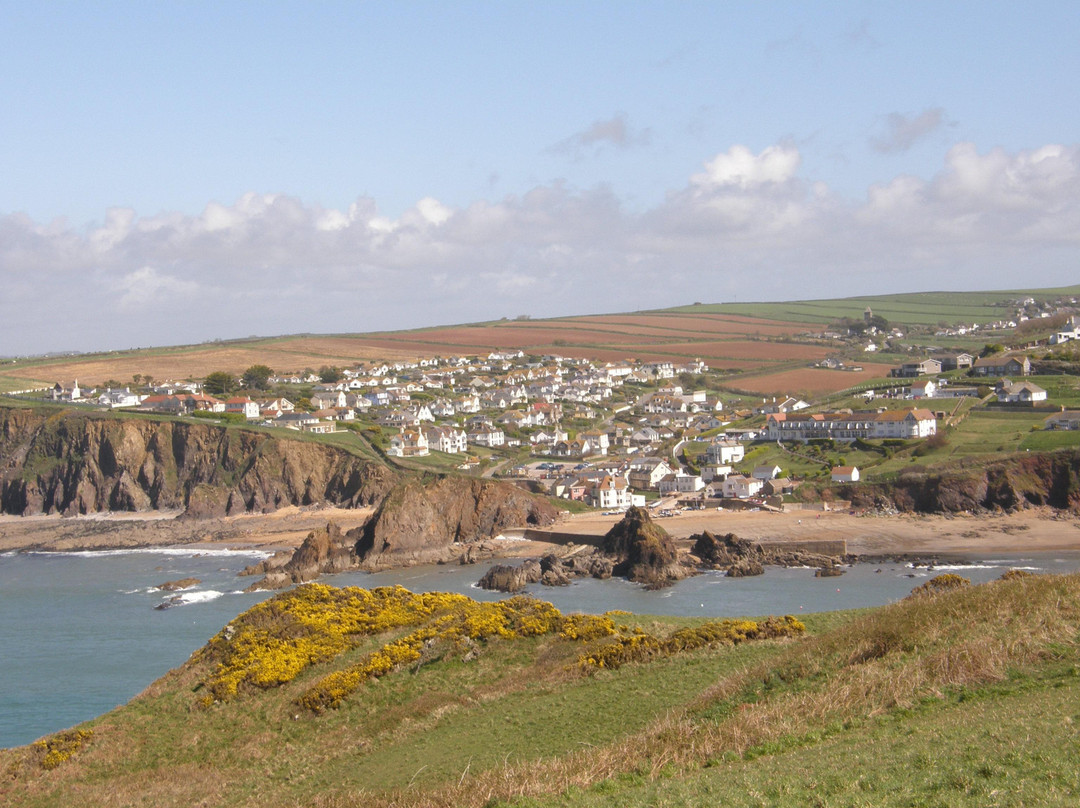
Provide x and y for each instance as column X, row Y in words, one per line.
column 1034, row 529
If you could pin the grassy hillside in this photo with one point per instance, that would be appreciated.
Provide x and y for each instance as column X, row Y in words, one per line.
column 759, row 338
column 958, row 696
column 918, row 308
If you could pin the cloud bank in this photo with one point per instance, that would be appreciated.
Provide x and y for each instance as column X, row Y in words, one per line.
column 747, row 226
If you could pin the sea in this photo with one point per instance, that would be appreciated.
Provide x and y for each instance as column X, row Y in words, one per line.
column 80, row 633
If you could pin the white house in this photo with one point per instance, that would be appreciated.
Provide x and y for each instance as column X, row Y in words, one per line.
column 447, row 439
column 845, row 474
column 1021, row 393
column 243, row 405
column 724, row 452
column 923, row 389
column 765, row 472
column 610, row 492
column 680, row 483
column 741, row 487
column 408, row 443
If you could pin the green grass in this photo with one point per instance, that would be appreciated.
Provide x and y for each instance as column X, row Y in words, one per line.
column 1026, row 755
column 922, row 308
column 965, row 698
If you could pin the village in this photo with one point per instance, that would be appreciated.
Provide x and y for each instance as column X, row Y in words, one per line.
column 607, row 435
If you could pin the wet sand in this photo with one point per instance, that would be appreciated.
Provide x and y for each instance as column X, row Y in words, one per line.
column 1037, row 529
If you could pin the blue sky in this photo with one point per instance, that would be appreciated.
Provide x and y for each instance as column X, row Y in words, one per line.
column 176, row 172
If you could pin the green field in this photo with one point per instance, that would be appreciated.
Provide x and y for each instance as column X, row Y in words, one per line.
column 920, row 308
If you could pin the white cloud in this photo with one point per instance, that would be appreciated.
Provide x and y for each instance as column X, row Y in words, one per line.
column 747, row 224
column 146, row 286
column 741, row 168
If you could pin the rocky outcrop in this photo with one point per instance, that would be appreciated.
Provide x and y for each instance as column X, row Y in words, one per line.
column 74, row 463
column 324, row 550
column 550, row 570
column 435, row 519
column 182, row 583
column 1011, row 484
column 510, row 578
column 742, row 557
column 644, row 551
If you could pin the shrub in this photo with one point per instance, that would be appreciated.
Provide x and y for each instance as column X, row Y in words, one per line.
column 946, row 582
column 61, row 747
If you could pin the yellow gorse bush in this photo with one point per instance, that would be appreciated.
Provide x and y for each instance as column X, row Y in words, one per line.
column 640, row 647
column 61, row 747
column 275, row 641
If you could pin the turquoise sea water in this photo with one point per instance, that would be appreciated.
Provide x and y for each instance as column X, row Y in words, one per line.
column 79, row 633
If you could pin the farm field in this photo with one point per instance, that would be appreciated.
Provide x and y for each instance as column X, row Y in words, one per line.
column 771, row 341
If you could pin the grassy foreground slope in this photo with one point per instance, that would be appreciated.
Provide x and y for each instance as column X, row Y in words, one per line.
column 969, row 696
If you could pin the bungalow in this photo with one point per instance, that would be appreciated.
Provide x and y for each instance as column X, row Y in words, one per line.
column 766, row 472
column 295, row 420
column 778, row 486
column 845, row 474
column 1020, row 393
column 1066, row 419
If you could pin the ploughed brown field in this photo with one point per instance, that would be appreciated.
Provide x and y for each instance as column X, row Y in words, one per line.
column 811, row 381
column 731, row 342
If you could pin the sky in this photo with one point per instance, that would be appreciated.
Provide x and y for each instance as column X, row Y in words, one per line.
column 180, row 172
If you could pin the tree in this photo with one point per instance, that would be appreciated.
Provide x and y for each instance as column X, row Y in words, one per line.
column 329, row 375
column 257, row 377
column 219, row 383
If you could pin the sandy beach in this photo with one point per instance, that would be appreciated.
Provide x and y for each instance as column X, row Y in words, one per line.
column 1034, row 529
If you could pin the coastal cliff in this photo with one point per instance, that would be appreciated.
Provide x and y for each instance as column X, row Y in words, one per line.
column 1013, row 483
column 76, row 463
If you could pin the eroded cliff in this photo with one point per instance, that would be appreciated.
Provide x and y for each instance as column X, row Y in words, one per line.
column 75, row 463
column 1013, row 483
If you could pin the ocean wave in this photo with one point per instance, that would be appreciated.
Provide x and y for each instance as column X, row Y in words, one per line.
column 198, row 596
column 180, row 552
column 937, row 567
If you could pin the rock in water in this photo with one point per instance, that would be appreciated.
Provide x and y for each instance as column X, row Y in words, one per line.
column 645, row 552
column 431, row 520
column 182, row 583
column 324, row 550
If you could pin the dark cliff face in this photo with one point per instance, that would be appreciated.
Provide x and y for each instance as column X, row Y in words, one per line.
column 71, row 462
column 1014, row 483
column 422, row 519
